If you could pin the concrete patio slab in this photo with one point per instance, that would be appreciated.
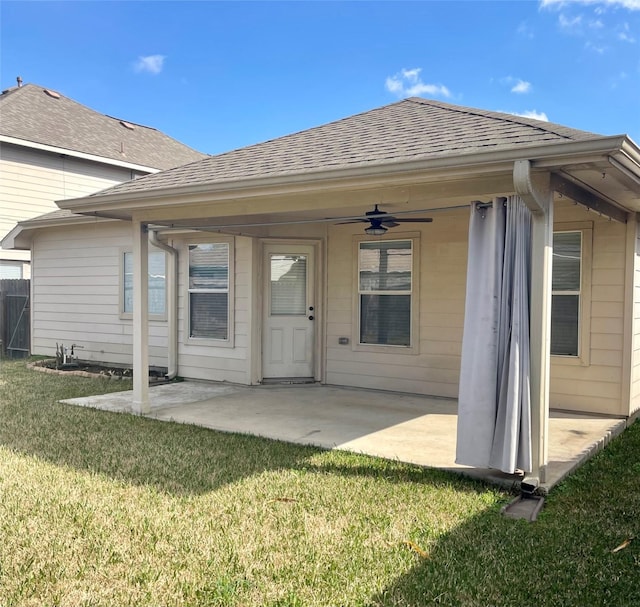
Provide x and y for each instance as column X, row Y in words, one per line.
column 409, row 428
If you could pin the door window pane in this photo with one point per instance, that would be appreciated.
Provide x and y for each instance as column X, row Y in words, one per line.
column 288, row 285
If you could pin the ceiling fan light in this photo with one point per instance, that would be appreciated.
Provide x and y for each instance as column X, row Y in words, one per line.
column 375, row 230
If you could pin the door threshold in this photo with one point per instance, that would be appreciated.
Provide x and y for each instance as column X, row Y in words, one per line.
column 286, row 381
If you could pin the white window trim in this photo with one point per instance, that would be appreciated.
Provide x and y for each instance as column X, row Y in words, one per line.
column 414, row 347
column 129, row 315
column 584, row 315
column 207, row 341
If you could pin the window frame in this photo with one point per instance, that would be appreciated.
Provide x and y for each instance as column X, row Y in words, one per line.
column 585, row 228
column 414, row 294
column 121, row 261
column 229, row 342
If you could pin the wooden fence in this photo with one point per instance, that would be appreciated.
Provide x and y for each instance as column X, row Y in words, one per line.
column 15, row 322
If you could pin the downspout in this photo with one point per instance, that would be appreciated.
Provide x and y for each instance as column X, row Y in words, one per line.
column 536, row 192
column 172, row 304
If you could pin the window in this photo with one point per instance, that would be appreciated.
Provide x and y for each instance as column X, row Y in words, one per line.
column 209, row 291
column 9, row 270
column 566, row 293
column 384, row 291
column 157, row 283
column 288, row 285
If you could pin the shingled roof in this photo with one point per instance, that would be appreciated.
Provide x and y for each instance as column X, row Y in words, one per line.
column 42, row 116
column 412, row 129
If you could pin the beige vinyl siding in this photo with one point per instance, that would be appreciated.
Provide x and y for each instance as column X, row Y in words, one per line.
column 209, row 361
column 434, row 367
column 32, row 180
column 76, row 294
column 597, row 385
column 634, row 404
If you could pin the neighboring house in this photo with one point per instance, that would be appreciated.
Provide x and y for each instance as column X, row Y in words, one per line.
column 52, row 148
column 276, row 277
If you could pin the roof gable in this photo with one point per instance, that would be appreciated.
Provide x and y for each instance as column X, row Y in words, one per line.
column 42, row 116
column 412, row 129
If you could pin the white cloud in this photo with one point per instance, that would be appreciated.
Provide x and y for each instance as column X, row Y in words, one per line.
column 407, row 83
column 596, row 48
column 151, row 63
column 525, row 30
column 569, row 23
column 532, row 114
column 632, row 5
column 517, row 85
column 521, row 87
column 625, row 34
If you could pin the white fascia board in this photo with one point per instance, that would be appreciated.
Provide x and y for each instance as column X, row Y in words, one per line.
column 9, row 241
column 431, row 169
column 19, row 238
column 628, row 156
column 91, row 157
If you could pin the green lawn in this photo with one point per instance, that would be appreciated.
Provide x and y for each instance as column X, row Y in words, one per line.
column 110, row 509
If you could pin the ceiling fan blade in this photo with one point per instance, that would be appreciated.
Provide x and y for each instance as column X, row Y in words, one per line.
column 414, row 220
column 340, row 223
column 390, row 223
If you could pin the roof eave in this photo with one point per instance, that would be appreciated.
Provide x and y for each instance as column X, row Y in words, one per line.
column 75, row 154
column 547, row 156
column 20, row 236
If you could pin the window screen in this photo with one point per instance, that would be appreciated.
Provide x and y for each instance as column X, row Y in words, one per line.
column 384, row 289
column 157, row 283
column 209, row 291
column 565, row 306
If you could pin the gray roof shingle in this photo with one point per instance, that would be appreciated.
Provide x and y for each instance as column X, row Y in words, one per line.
column 31, row 113
column 412, row 129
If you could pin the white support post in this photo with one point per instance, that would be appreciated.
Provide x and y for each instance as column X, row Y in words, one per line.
column 538, row 196
column 540, row 337
column 141, row 404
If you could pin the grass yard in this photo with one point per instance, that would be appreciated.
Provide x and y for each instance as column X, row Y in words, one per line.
column 104, row 509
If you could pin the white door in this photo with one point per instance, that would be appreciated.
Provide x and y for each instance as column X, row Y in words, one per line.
column 289, row 312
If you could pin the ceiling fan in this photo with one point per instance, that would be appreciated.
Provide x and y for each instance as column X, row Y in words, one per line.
column 380, row 221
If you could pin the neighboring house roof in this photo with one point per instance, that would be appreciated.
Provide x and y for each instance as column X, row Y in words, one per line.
column 37, row 115
column 412, row 129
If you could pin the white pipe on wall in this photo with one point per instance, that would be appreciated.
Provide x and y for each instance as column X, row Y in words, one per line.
column 172, row 304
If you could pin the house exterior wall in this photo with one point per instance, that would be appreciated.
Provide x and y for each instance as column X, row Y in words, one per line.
column 237, row 361
column 209, row 360
column 634, row 405
column 433, row 365
column 32, row 180
column 76, row 294
column 591, row 383
column 77, row 290
column 594, row 382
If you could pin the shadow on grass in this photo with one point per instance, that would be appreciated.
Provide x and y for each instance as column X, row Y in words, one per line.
column 175, row 458
column 565, row 558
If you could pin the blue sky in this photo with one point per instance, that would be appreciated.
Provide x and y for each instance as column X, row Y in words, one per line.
column 222, row 75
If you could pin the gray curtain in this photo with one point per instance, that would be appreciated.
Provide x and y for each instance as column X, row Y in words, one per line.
column 494, row 403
